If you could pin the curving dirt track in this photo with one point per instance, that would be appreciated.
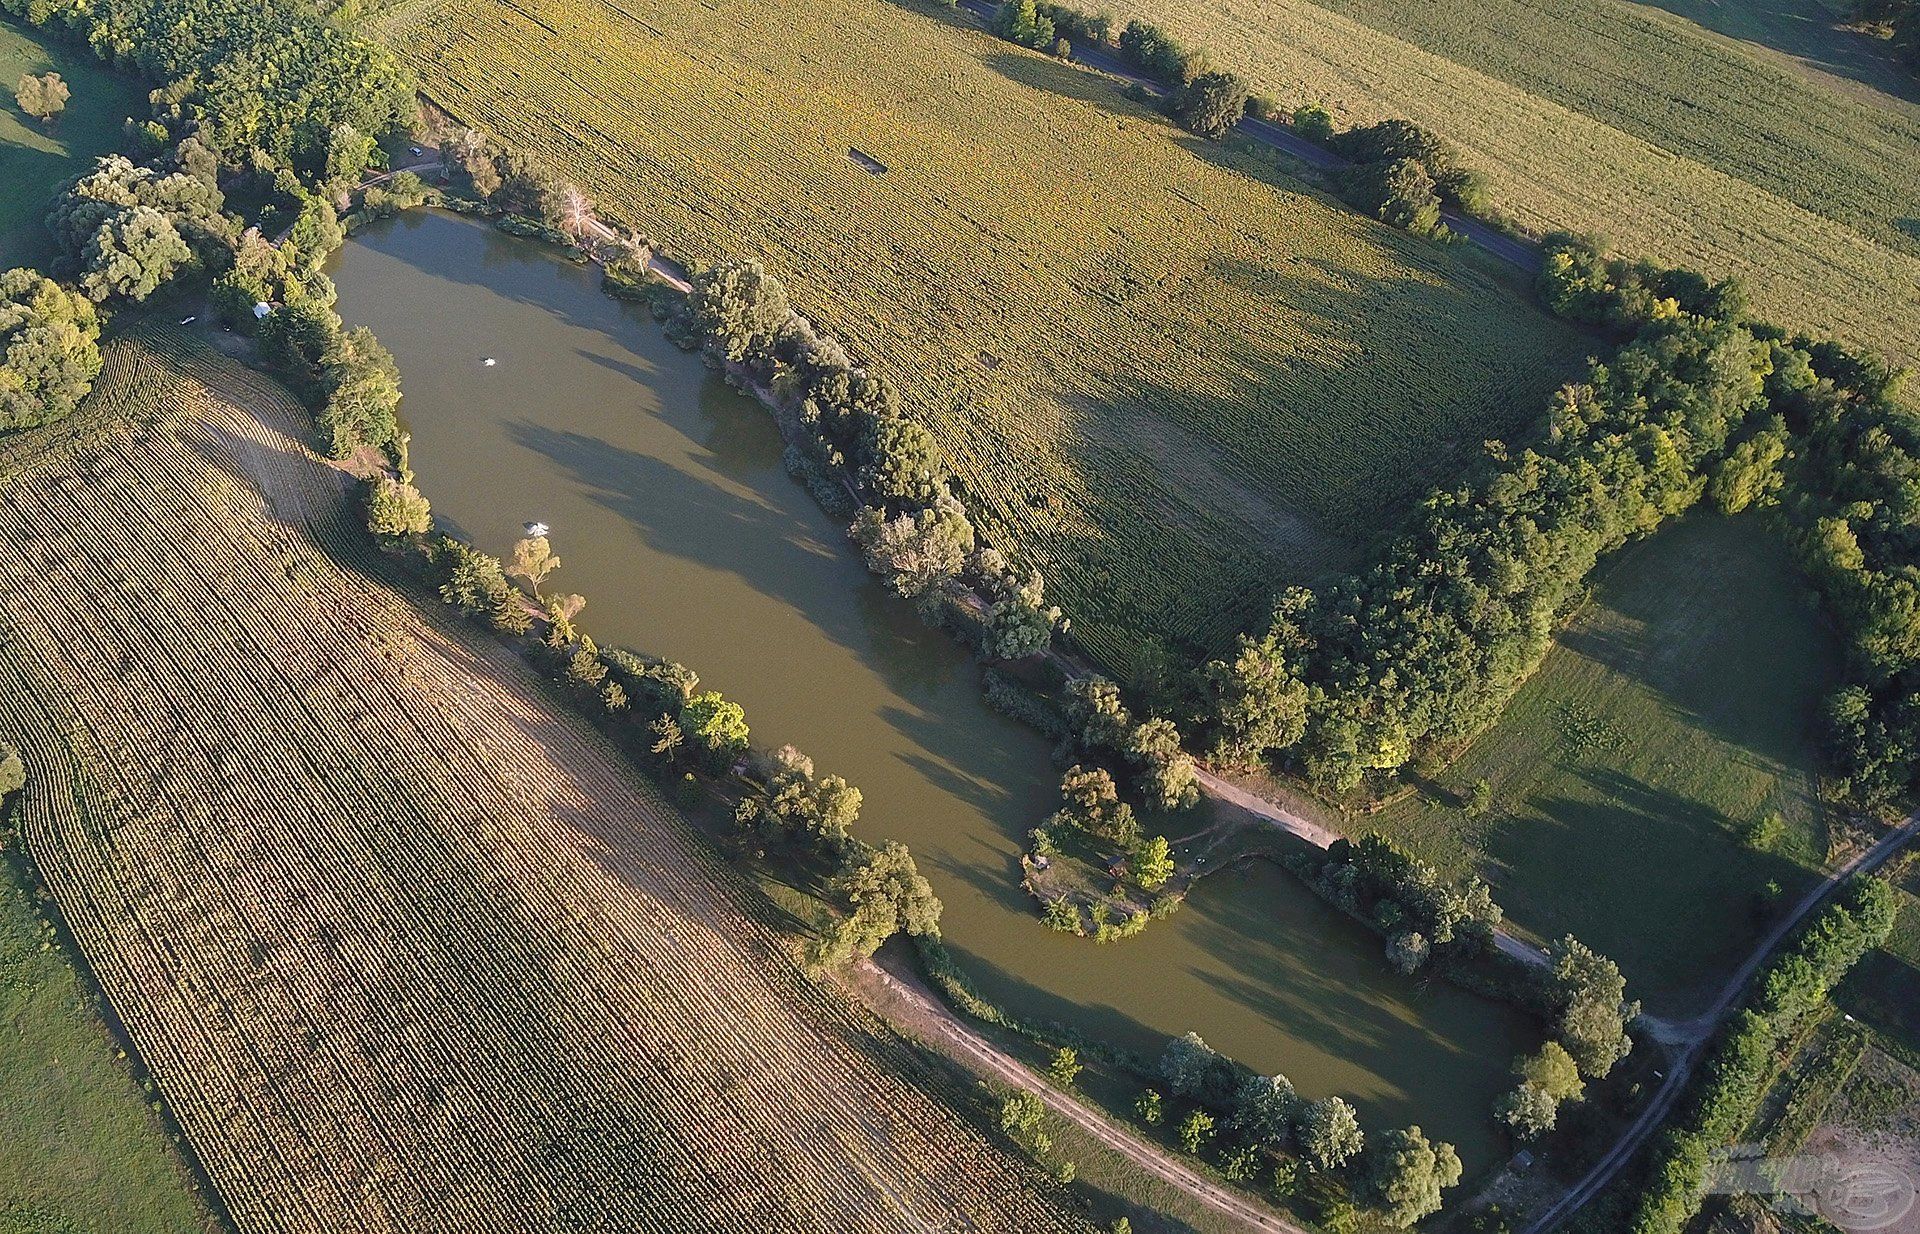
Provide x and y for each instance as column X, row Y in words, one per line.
column 406, row 947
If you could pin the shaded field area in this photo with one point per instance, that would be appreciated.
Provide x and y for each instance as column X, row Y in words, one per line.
column 1801, row 175
column 407, row 948
column 1678, row 711
column 37, row 156
column 82, row 1150
column 1169, row 376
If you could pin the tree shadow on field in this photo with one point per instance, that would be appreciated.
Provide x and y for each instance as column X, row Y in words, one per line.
column 1654, row 879
column 1291, row 445
column 1805, row 30
column 1709, row 615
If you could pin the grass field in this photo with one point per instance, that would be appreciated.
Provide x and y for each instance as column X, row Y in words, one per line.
column 407, row 948
column 81, row 1150
column 1169, row 377
column 35, row 157
column 1603, row 116
column 1677, row 709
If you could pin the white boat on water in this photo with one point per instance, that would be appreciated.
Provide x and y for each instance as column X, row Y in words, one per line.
column 536, row 529
column 489, row 362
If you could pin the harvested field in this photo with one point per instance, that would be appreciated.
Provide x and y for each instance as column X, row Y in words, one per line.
column 1602, row 116
column 406, row 947
column 1169, row 376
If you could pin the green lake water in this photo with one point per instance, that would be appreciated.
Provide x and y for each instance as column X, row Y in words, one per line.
column 672, row 515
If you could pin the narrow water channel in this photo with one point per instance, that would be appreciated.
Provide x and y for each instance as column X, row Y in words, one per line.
column 672, row 515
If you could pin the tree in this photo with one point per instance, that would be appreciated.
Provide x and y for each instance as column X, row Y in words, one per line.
column 738, row 308
column 716, row 726
column 1195, row 1130
column 1406, row 1173
column 49, row 349
column 131, row 255
column 1194, row 1069
column 349, row 153
column 1257, row 703
column 887, row 895
column 533, row 560
column 1594, row 1013
column 1065, row 1067
column 915, row 553
column 667, row 737
column 1168, row 778
column 1401, row 193
column 1553, row 1071
column 1479, row 797
column 1018, row 21
column 1526, row 1111
column 1330, row 1133
column 1408, row 950
column 1152, row 864
column 1097, row 712
column 1148, row 1107
column 1264, row 1110
column 1313, row 122
column 362, row 392
column 395, row 509
column 1211, row 104
column 43, row 97
column 13, row 773
column 1023, row 1120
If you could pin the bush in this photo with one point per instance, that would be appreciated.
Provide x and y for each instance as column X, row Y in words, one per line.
column 1211, row 104
column 395, row 509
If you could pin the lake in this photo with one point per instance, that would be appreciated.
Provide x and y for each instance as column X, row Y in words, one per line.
column 671, row 513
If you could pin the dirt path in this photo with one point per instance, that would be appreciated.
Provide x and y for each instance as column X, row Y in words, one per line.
column 1688, row 1055
column 910, row 1006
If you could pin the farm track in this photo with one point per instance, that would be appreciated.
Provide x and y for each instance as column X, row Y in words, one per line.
column 406, row 947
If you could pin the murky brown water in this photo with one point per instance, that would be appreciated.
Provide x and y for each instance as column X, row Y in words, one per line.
column 672, row 515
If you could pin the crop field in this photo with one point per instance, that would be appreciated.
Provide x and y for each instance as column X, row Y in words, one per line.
column 1602, row 116
column 1678, row 710
column 1169, row 376
column 406, row 947
column 36, row 157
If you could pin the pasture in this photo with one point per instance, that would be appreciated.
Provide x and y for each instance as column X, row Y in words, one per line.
column 1168, row 375
column 407, row 945
column 1595, row 115
column 82, row 1150
column 36, row 157
column 1677, row 711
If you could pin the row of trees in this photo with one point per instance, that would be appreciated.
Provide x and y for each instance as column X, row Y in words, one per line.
column 911, row 528
column 1840, row 458
column 1579, row 993
column 1399, row 1173
column 1730, row 1082
column 1427, row 645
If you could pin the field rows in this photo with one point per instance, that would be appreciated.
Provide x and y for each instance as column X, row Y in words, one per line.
column 406, row 949
column 1553, row 165
column 1167, row 382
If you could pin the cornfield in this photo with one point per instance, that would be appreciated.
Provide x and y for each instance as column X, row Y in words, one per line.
column 1169, row 376
column 405, row 947
column 1590, row 115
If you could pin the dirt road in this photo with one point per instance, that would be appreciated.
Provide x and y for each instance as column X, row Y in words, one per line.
column 915, row 1008
column 1688, row 1055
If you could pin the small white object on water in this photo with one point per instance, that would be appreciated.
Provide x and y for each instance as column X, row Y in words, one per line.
column 489, row 362
column 187, row 321
column 536, row 529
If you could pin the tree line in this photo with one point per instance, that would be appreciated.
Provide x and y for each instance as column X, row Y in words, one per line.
column 1724, row 1092
column 1399, row 172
